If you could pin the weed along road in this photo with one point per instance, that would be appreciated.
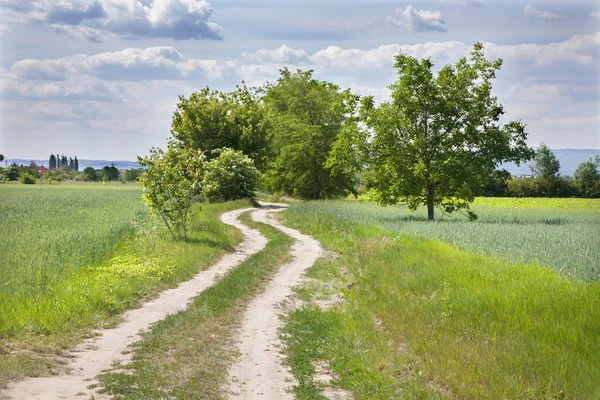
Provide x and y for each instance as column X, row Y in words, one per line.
column 257, row 374
column 99, row 353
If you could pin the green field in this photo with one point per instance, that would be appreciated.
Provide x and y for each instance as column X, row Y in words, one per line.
column 561, row 233
column 50, row 232
column 423, row 319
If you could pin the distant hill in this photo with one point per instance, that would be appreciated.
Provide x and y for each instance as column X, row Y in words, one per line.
column 96, row 164
column 569, row 160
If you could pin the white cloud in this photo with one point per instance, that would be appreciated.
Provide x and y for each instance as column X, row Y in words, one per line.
column 533, row 12
column 464, row 2
column 595, row 14
column 579, row 49
column 283, row 54
column 130, row 19
column 414, row 20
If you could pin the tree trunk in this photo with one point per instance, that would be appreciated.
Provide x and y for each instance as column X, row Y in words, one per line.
column 430, row 209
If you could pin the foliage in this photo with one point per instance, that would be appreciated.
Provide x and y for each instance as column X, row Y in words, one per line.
column 109, row 173
column 307, row 115
column 497, row 185
column 89, row 175
column 1, row 157
column 230, row 176
column 132, row 175
column 170, row 183
column 12, row 173
column 545, row 164
column 542, row 187
column 210, row 120
column 439, row 138
column 27, row 178
column 52, row 162
column 588, row 178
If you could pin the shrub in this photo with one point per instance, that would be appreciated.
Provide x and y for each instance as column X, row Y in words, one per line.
column 27, row 179
column 232, row 175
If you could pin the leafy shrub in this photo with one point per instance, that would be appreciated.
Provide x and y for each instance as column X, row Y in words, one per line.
column 232, row 175
column 542, row 187
column 27, row 179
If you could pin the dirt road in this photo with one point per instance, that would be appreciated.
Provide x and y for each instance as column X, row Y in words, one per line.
column 97, row 354
column 259, row 374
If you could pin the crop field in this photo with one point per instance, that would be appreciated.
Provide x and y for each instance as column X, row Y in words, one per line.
column 50, row 232
column 561, row 233
column 423, row 319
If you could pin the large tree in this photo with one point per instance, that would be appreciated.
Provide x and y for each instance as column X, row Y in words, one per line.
column 210, row 120
column 307, row 116
column 439, row 138
column 545, row 164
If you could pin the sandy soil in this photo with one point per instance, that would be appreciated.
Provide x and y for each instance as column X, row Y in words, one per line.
column 259, row 373
column 98, row 353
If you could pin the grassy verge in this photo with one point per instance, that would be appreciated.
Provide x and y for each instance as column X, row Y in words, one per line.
column 422, row 319
column 187, row 354
column 38, row 329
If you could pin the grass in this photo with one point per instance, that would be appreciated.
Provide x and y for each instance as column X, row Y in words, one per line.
column 423, row 319
column 142, row 261
column 186, row 355
column 564, row 238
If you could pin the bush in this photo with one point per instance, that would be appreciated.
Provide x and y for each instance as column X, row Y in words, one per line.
column 542, row 187
column 27, row 178
column 232, row 175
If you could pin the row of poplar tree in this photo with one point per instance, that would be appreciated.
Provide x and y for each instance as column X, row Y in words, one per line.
column 63, row 162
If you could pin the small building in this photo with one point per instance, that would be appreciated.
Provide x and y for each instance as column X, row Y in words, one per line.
column 41, row 170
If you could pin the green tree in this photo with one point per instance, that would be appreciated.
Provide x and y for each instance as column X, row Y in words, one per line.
column 111, row 173
column 52, row 162
column 307, row 116
column 170, row 183
column 1, row 157
column 89, row 174
column 545, row 164
column 439, row 139
column 210, row 120
column 132, row 175
column 76, row 164
column 588, row 178
column 230, row 176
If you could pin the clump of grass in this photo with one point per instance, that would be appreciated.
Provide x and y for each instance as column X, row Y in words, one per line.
column 565, row 239
column 456, row 324
column 187, row 354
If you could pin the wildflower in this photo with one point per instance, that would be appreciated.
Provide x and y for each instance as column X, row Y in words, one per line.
column 570, row 272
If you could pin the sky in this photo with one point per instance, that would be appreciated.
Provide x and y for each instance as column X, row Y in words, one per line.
column 100, row 79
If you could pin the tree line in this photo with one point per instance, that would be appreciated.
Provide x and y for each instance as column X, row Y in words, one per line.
column 62, row 162
column 436, row 142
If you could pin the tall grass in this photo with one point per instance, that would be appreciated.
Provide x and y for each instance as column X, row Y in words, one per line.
column 50, row 232
column 566, row 239
column 423, row 319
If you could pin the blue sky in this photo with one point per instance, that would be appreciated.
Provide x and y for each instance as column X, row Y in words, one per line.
column 100, row 78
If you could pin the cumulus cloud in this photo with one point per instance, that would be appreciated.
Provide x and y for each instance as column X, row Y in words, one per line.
column 534, row 13
column 84, row 73
column 595, row 14
column 129, row 19
column 464, row 2
column 414, row 20
column 579, row 49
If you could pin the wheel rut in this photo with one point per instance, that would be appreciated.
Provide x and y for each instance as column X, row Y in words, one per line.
column 259, row 372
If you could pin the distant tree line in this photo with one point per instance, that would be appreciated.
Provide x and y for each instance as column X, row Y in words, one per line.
column 546, row 181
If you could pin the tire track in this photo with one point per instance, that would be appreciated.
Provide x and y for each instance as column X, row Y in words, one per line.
column 259, row 373
column 94, row 355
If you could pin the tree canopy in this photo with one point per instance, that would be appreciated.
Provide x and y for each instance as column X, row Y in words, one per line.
column 439, row 138
column 545, row 164
column 211, row 119
column 306, row 116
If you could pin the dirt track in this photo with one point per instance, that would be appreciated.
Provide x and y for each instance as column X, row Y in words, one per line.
column 97, row 354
